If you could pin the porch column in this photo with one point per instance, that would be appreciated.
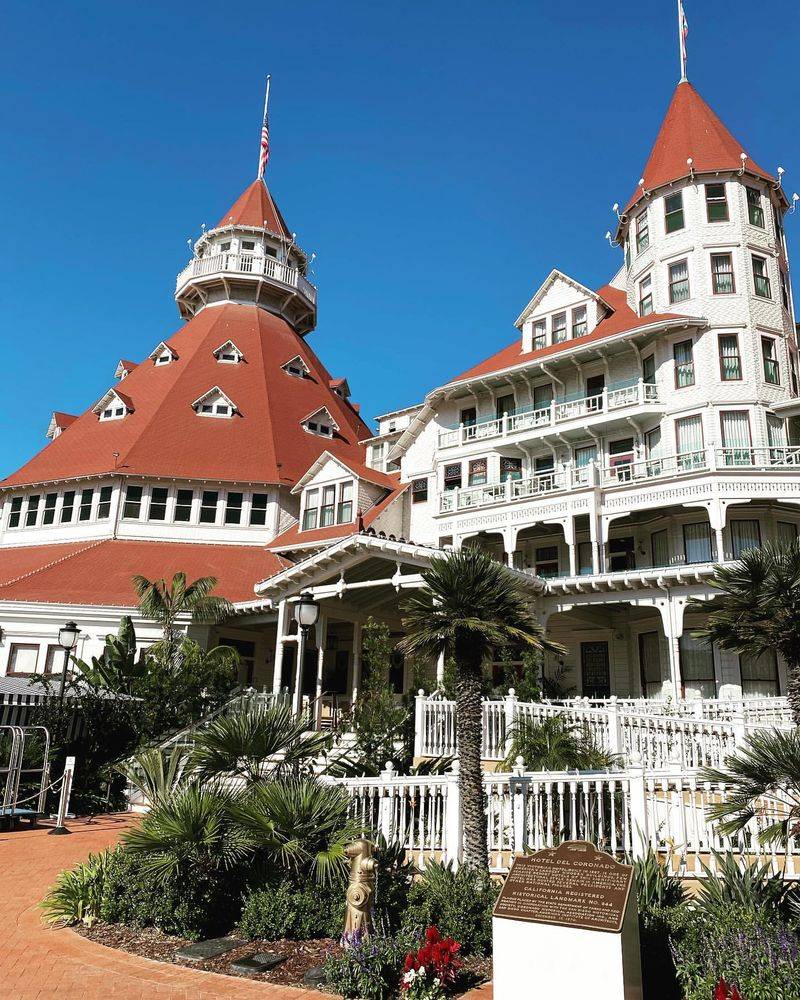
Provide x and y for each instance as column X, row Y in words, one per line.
column 593, row 540
column 356, row 661
column 277, row 670
column 297, row 695
column 672, row 620
column 322, row 637
column 568, row 526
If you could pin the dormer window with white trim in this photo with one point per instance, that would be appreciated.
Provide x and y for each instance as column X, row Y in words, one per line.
column 328, row 505
column 320, row 422
column 214, row 403
column 297, row 367
column 163, row 355
column 123, row 369
column 228, row 354
column 113, row 406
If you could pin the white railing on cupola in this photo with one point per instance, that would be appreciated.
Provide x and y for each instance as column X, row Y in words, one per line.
column 687, row 734
column 242, row 263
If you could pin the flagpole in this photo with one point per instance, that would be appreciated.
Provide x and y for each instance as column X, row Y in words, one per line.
column 266, row 109
column 681, row 40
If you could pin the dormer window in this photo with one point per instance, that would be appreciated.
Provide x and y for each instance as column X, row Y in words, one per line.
column 297, row 367
column 320, row 422
column 328, row 505
column 113, row 406
column 559, row 327
column 228, row 354
column 214, row 403
column 579, row 326
column 163, row 355
column 123, row 369
column 539, row 334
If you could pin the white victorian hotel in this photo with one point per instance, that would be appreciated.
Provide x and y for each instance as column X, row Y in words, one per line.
column 627, row 440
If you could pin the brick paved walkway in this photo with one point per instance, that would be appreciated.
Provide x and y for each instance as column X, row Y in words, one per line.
column 37, row 961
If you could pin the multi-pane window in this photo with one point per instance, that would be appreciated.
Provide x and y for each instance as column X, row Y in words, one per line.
column 772, row 375
column 477, row 472
column 208, row 506
column 684, row 364
column 673, row 212
column 730, row 363
column 85, row 508
column 158, row 503
column 736, row 439
column 133, row 502
column 722, row 282
column 547, row 561
column 679, row 281
column 697, row 667
column 659, row 548
column 311, row 512
column 716, row 203
column 104, row 503
column 419, row 490
column 183, row 505
column 16, row 512
column 579, row 324
column 68, row 506
column 22, row 658
column 510, row 468
column 327, row 514
column 649, row 369
column 689, row 442
column 760, row 675
column 697, row 542
column 452, row 476
column 344, row 512
column 761, row 278
column 539, row 334
column 258, row 509
column 642, row 232
column 32, row 512
column 233, row 508
column 646, row 296
column 755, row 211
column 559, row 327
column 745, row 535
column 49, row 515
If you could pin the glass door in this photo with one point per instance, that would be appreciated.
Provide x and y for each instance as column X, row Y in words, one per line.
column 650, row 664
column 697, row 668
column 689, row 442
column 595, row 670
column 736, row 441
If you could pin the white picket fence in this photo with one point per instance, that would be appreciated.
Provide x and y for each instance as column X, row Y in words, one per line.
column 623, row 812
column 689, row 734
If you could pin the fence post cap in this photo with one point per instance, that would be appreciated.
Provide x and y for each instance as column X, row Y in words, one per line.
column 512, row 693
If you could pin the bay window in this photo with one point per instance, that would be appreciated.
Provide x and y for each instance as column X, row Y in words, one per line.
column 736, row 438
column 754, row 210
column 673, row 212
column 477, row 472
column 510, row 468
column 772, row 374
column 642, row 232
column 745, row 535
column 579, row 324
column 697, row 542
column 716, row 203
column 311, row 512
column 344, row 511
column 730, row 364
column 258, row 509
column 697, row 667
column 722, row 282
column 328, row 509
column 559, row 328
column 679, row 281
column 684, row 364
column 452, row 476
column 761, row 281
column 646, row 296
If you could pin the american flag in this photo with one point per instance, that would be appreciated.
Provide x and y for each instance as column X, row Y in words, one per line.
column 264, row 154
column 684, row 31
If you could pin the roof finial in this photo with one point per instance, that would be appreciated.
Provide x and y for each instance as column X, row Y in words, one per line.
column 683, row 31
column 263, row 153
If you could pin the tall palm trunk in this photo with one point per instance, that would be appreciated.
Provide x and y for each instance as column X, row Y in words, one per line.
column 793, row 689
column 470, row 778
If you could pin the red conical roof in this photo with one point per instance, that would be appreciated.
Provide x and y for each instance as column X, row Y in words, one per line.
column 255, row 207
column 264, row 442
column 690, row 128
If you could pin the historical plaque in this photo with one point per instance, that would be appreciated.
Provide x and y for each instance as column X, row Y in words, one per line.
column 573, row 885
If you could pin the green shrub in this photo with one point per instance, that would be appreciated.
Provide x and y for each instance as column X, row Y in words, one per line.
column 371, row 968
column 77, row 895
column 190, row 904
column 292, row 910
column 752, row 887
column 750, row 948
column 458, row 902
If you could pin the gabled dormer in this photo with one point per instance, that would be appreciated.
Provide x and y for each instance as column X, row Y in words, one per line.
column 297, row 367
column 340, row 387
column 562, row 309
column 59, row 422
column 320, row 422
column 113, row 406
column 214, row 403
column 123, row 369
column 163, row 355
column 228, row 354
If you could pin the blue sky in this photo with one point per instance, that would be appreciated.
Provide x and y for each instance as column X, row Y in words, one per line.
column 440, row 158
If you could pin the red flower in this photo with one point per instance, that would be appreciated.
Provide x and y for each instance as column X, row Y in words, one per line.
column 437, row 956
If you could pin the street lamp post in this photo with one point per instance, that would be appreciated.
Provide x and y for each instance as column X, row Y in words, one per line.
column 306, row 613
column 67, row 639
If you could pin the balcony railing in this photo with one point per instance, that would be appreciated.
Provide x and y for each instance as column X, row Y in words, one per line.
column 242, row 263
column 557, row 412
column 571, row 476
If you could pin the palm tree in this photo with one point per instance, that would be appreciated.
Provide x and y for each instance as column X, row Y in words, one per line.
column 757, row 610
column 164, row 603
column 553, row 744
column 766, row 765
column 254, row 743
column 470, row 605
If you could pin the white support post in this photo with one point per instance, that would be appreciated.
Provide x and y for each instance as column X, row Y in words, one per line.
column 297, row 694
column 440, row 670
column 322, row 636
column 519, row 793
column 638, row 807
column 63, row 802
column 386, row 809
column 277, row 670
column 510, row 703
column 419, row 724
column 615, row 740
column 356, row 661
column 454, row 834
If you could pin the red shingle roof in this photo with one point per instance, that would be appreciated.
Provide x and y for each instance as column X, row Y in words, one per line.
column 622, row 319
column 163, row 436
column 690, row 128
column 255, row 207
column 100, row 573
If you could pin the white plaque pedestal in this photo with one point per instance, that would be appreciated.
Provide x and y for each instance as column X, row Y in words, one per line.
column 550, row 962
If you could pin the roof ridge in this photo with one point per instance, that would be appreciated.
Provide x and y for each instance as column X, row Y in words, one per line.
column 54, row 562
